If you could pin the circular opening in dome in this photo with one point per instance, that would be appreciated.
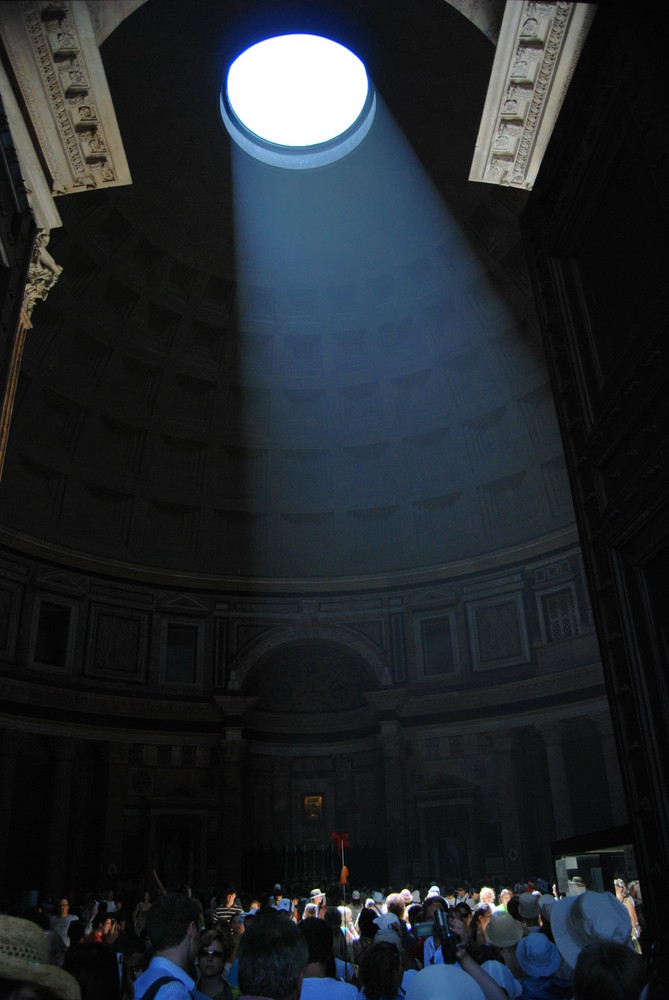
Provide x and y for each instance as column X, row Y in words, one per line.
column 297, row 100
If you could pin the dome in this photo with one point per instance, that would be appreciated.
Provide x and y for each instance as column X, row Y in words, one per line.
column 253, row 372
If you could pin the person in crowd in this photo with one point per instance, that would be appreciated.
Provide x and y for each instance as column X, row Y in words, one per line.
column 277, row 894
column 502, row 975
column 504, row 933
column 461, row 892
column 320, row 980
column 76, row 932
column 454, row 982
column 505, row 895
column 213, row 951
column 478, row 923
column 546, row 903
column 367, row 930
column 173, row 927
column 608, row 970
column 134, row 954
column 25, row 970
column 140, row 912
column 426, row 949
column 316, row 899
column 625, row 898
column 228, row 906
column 381, row 972
column 529, row 911
column 356, row 907
column 272, row 955
column 487, row 896
column 540, row 960
column 61, row 921
column 588, row 917
column 96, row 968
column 343, row 949
column 103, row 929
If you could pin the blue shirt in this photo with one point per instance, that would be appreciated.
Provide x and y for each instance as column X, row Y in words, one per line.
column 159, row 968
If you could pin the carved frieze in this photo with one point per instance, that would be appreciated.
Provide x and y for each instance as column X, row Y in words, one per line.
column 538, row 48
column 57, row 67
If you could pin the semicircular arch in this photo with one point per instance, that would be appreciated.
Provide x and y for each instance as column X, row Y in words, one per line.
column 347, row 642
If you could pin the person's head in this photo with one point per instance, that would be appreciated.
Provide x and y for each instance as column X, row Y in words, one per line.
column 230, row 895
column 487, row 895
column 504, row 896
column 96, row 969
column 481, row 916
column 381, row 970
column 272, row 955
column 76, row 931
column 320, row 942
column 26, row 972
column 64, row 907
column 588, row 917
column 443, row 982
column 465, row 912
column 102, row 922
column 212, row 952
column 173, row 922
column 366, row 926
column 431, row 905
column 607, row 970
column 135, row 955
column 396, row 904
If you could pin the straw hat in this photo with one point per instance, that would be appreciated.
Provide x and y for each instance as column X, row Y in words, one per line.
column 24, row 955
column 502, row 930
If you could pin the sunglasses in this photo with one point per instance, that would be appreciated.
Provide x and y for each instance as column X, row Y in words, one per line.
column 210, row 953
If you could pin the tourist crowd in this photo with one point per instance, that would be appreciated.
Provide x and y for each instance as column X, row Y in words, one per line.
column 520, row 942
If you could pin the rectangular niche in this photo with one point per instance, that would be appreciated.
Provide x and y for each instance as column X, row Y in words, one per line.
column 117, row 645
column 10, row 599
column 52, row 634
column 498, row 632
column 181, row 652
column 437, row 644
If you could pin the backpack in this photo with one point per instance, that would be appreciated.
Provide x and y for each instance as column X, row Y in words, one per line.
column 153, row 989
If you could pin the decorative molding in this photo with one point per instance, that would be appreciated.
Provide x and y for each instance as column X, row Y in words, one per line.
column 539, row 46
column 43, row 273
column 58, row 69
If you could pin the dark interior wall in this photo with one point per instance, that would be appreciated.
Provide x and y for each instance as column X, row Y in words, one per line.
column 595, row 228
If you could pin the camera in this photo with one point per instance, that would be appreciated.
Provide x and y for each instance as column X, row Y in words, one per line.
column 449, row 940
column 424, row 929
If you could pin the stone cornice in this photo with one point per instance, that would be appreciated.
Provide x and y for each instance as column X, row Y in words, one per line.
column 59, row 76
column 176, row 580
column 538, row 48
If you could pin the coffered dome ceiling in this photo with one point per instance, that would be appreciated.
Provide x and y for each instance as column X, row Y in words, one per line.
column 249, row 371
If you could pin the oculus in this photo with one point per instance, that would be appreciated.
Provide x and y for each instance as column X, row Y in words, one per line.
column 297, row 101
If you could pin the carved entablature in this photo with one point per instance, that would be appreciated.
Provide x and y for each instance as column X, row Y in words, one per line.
column 538, row 48
column 57, row 67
